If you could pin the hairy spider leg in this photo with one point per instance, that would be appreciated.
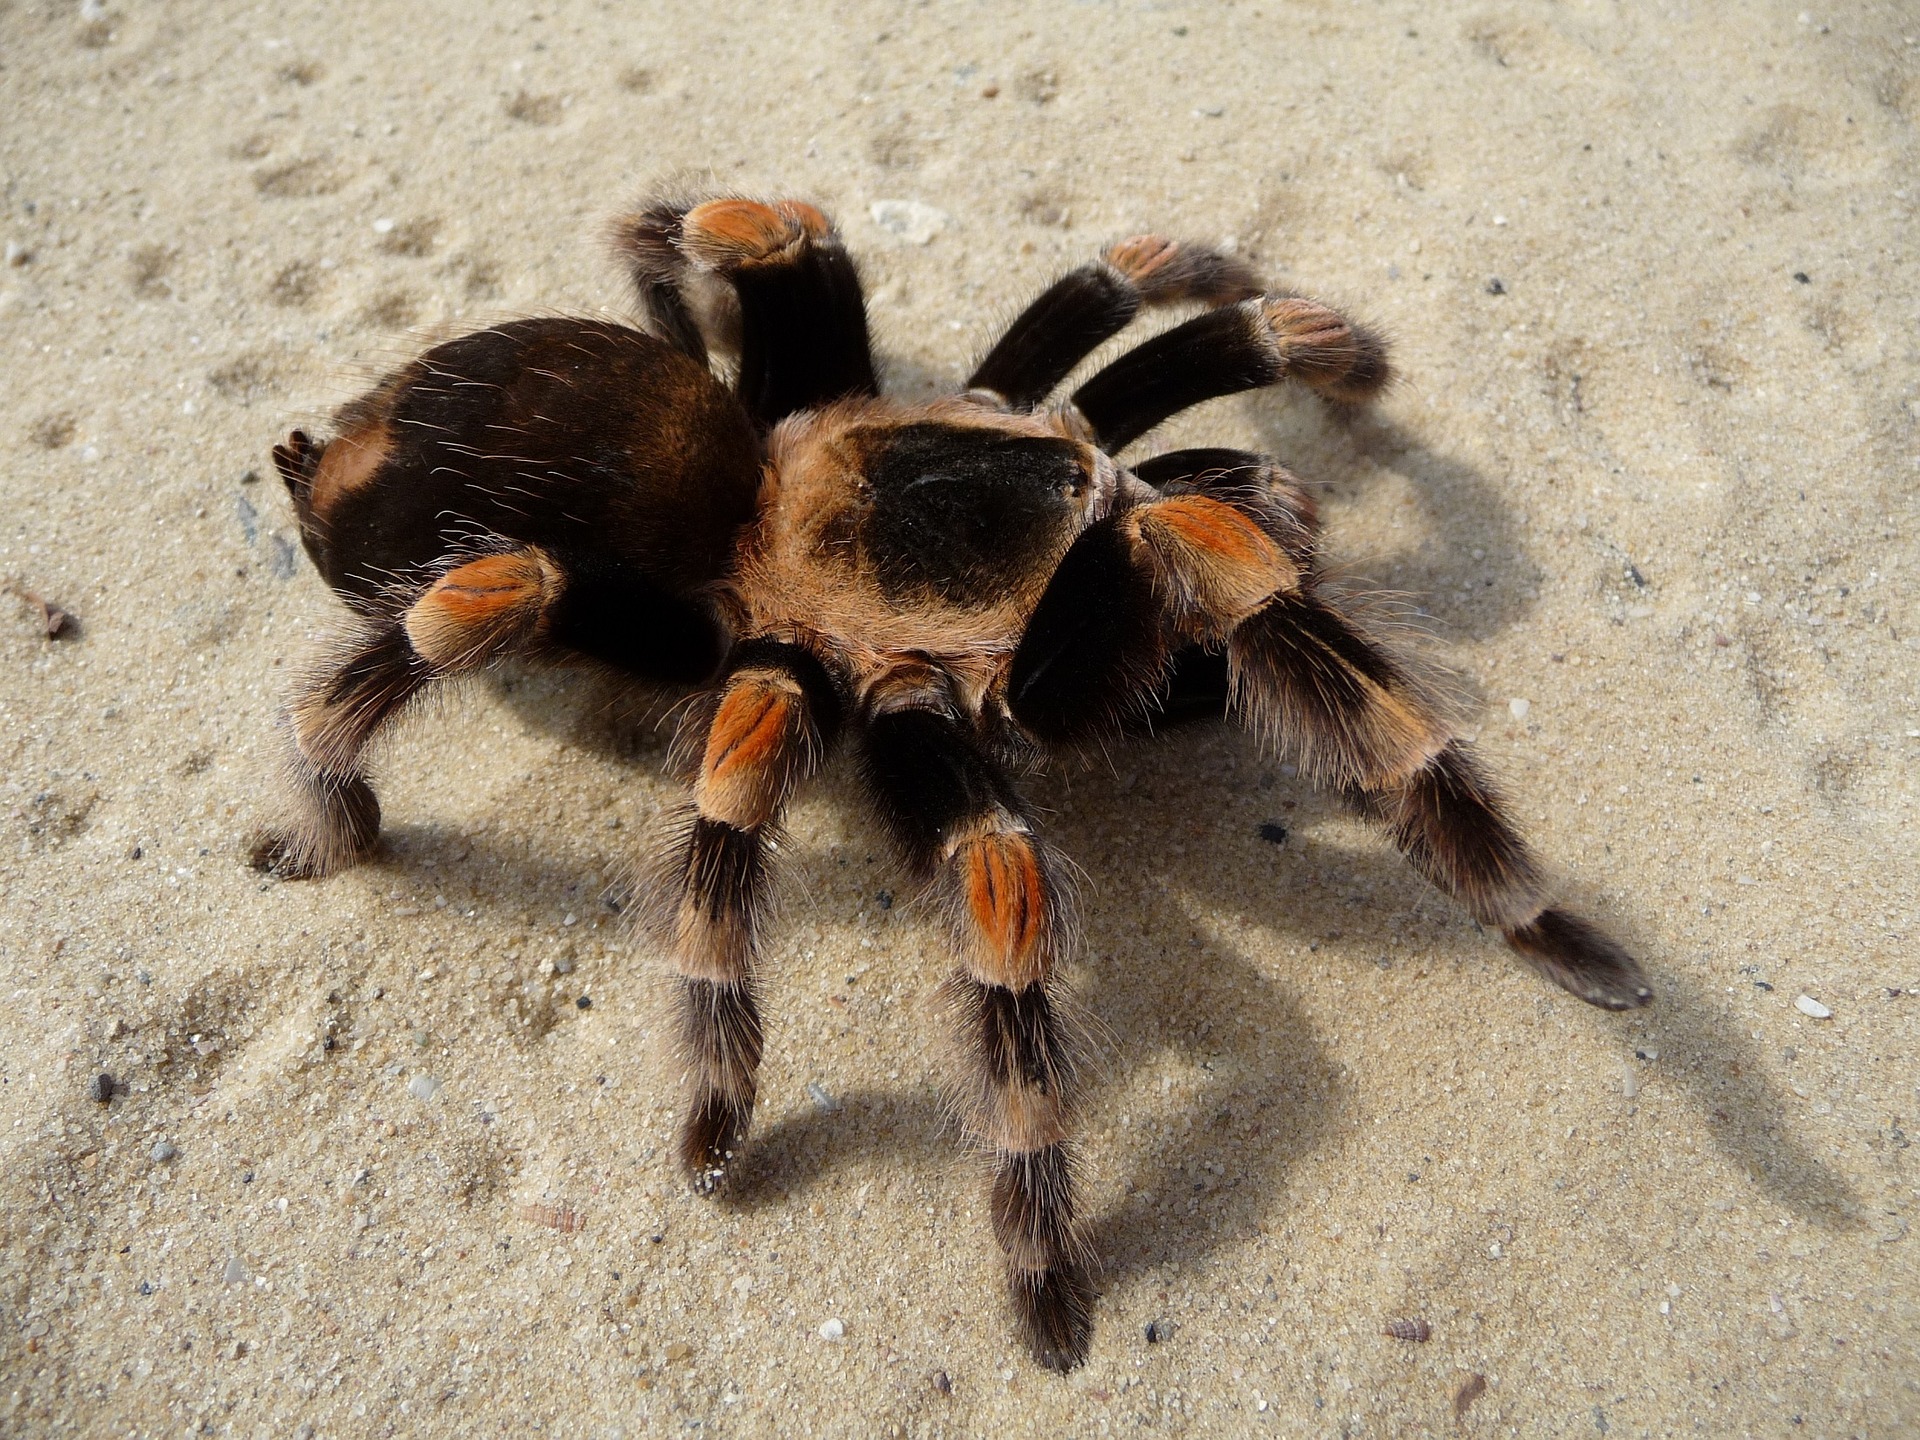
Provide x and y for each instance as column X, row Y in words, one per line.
column 767, row 728
column 1448, row 820
column 958, row 822
column 1248, row 346
column 688, row 310
column 1088, row 306
column 487, row 607
column 1306, row 680
column 796, row 316
column 1198, row 679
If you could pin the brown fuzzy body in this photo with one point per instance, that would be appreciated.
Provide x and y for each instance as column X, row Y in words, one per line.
column 957, row 583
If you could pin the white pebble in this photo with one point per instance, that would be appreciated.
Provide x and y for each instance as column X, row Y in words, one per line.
column 1807, row 1005
column 17, row 254
column 423, row 1087
column 1629, row 1084
column 163, row 1151
column 1519, row 708
column 833, row 1330
column 822, row 1101
column 383, row 227
column 911, row 220
column 235, row 1273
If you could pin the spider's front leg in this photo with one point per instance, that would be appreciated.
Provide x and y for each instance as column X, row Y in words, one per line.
column 1227, row 572
column 958, row 821
column 767, row 728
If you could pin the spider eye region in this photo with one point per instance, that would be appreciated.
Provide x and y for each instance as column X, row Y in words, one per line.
column 964, row 515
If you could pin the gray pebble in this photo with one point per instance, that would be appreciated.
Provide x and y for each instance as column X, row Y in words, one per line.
column 163, row 1151
column 235, row 1273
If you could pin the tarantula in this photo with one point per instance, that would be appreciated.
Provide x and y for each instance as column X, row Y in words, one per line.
column 962, row 584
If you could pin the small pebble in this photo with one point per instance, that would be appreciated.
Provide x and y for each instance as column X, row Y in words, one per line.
column 17, row 254
column 1519, row 708
column 383, row 226
column 423, row 1087
column 679, row 1350
column 235, row 1273
column 1629, row 1084
column 1160, row 1331
column 163, row 1151
column 585, row 1002
column 833, row 1330
column 941, row 1383
column 1273, row 832
column 1496, row 286
column 1807, row 1005
column 911, row 220
column 100, row 1091
column 822, row 1101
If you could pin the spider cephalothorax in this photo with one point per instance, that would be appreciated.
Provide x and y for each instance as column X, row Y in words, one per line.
column 957, row 584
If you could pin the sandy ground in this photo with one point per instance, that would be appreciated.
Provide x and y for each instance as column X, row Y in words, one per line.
column 372, row 1165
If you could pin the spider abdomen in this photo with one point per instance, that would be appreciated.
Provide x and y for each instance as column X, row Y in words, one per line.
column 590, row 439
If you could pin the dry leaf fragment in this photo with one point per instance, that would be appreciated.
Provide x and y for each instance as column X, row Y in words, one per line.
column 53, row 620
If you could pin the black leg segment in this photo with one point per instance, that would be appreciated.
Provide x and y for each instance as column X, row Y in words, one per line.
column 1242, row 347
column 1085, row 308
column 1094, row 651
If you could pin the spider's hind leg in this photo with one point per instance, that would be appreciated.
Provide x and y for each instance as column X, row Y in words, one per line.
column 471, row 614
column 768, row 280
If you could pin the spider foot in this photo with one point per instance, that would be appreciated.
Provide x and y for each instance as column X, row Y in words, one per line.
column 342, row 826
column 714, row 1133
column 1056, row 1314
column 1578, row 958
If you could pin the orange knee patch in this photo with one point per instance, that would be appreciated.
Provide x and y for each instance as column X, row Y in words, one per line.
column 722, row 234
column 750, row 752
column 1141, row 257
column 1214, row 562
column 1005, row 894
column 483, row 608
